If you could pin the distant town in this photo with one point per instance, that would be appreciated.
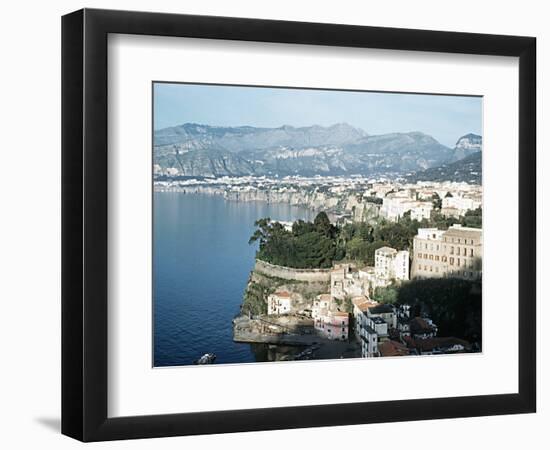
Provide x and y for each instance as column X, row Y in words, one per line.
column 345, row 199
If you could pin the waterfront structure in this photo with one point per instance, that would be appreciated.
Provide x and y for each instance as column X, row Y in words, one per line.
column 390, row 264
column 279, row 303
column 456, row 252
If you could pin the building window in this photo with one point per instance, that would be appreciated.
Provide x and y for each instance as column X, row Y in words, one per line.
column 452, row 250
column 465, row 250
column 452, row 261
column 458, row 262
column 471, row 252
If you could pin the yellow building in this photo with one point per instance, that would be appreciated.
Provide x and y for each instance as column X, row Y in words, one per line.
column 456, row 252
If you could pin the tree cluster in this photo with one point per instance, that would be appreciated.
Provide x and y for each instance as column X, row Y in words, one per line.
column 319, row 243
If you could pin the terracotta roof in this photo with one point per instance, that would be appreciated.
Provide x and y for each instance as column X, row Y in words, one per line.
column 419, row 325
column 363, row 303
column 283, row 294
column 392, row 348
column 327, row 297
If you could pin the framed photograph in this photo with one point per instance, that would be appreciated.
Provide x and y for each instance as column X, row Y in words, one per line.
column 273, row 224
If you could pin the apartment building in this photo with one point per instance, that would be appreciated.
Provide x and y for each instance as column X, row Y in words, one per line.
column 390, row 264
column 456, row 252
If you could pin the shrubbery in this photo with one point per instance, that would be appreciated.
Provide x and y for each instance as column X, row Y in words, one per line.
column 318, row 244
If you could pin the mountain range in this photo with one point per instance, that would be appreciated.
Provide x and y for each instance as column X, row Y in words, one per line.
column 197, row 150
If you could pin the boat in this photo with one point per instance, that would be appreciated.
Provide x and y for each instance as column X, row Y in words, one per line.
column 207, row 358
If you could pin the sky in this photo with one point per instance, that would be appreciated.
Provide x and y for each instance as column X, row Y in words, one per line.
column 446, row 118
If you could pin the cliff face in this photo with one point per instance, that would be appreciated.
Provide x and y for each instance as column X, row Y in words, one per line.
column 266, row 279
column 357, row 209
column 312, row 200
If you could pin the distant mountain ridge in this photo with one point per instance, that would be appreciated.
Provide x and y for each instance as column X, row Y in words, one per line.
column 209, row 151
column 466, row 167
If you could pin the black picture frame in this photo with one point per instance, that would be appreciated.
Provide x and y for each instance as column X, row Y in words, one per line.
column 84, row 224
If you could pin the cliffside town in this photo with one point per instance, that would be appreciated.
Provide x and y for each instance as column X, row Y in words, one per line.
column 359, row 305
column 317, row 307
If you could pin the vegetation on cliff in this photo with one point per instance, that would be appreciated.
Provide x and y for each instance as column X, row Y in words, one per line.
column 261, row 285
column 317, row 244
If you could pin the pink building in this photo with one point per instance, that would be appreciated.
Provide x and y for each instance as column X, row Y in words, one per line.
column 333, row 324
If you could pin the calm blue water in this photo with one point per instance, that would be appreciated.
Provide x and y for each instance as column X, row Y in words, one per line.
column 201, row 264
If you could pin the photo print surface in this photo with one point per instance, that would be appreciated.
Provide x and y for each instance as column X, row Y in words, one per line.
column 298, row 224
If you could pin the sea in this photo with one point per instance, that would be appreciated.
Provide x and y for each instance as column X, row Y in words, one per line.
column 201, row 265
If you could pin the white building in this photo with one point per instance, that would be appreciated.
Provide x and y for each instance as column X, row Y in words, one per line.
column 279, row 303
column 390, row 264
column 372, row 324
column 421, row 210
column 321, row 304
column 395, row 206
column 462, row 204
column 455, row 252
column 329, row 322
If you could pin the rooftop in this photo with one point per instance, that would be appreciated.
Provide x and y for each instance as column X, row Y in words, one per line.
column 419, row 325
column 282, row 294
column 386, row 250
column 460, row 231
column 362, row 303
column 392, row 348
column 381, row 309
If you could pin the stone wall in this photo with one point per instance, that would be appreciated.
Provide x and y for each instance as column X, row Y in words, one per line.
column 289, row 273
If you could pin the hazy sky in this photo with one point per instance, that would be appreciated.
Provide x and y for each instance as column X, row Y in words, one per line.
column 446, row 118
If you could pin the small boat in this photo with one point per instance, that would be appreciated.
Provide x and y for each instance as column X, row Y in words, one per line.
column 207, row 358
